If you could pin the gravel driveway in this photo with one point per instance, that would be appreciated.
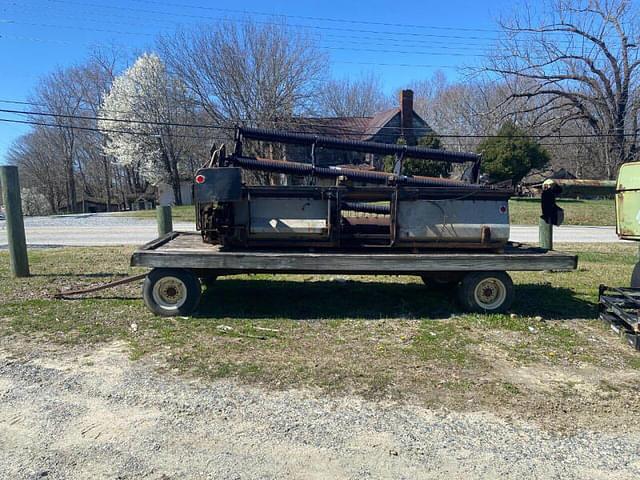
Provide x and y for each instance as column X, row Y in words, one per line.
column 109, row 229
column 82, row 414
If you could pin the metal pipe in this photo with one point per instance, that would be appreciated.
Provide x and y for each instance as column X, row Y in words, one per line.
column 296, row 168
column 366, row 208
column 357, row 146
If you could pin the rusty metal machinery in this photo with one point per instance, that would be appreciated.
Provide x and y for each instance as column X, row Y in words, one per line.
column 338, row 207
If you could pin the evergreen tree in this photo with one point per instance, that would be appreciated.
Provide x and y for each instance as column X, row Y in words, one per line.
column 511, row 155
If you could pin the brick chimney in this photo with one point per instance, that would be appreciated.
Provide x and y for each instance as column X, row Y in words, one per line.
column 406, row 114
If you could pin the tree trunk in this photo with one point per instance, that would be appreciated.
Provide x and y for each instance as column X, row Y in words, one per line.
column 71, row 187
column 107, row 181
column 177, row 194
column 171, row 166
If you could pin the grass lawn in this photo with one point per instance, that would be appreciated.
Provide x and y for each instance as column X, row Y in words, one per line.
column 185, row 213
column 526, row 211
column 523, row 211
column 382, row 337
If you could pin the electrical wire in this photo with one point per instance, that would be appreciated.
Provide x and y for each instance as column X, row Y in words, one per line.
column 119, row 120
column 309, row 122
column 443, row 136
column 100, row 130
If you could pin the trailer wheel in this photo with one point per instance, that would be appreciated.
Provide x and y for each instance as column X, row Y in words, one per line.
column 635, row 276
column 171, row 291
column 486, row 292
column 441, row 280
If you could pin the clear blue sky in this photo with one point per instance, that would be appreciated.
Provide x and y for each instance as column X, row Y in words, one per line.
column 38, row 35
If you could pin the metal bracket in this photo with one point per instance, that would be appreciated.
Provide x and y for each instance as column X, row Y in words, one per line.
column 238, row 140
column 397, row 164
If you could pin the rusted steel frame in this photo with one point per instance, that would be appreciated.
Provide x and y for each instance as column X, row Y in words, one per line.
column 303, row 169
column 104, row 286
column 293, row 138
column 366, row 208
column 612, row 309
column 582, row 183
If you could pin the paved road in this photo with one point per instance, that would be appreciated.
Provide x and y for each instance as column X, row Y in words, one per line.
column 109, row 229
column 88, row 230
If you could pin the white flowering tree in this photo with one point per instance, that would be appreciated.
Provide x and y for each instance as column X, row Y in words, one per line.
column 139, row 115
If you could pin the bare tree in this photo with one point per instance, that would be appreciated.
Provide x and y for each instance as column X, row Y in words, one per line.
column 56, row 94
column 257, row 74
column 41, row 167
column 362, row 97
column 91, row 80
column 577, row 60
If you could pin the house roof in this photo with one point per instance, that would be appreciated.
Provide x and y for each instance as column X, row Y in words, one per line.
column 342, row 127
column 380, row 120
column 351, row 128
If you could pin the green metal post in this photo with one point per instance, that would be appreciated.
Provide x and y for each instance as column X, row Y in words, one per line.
column 545, row 234
column 15, row 224
column 165, row 224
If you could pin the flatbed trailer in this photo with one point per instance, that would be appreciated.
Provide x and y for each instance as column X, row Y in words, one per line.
column 181, row 261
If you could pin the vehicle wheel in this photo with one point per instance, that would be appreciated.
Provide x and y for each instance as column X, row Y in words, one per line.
column 486, row 292
column 442, row 280
column 635, row 276
column 171, row 291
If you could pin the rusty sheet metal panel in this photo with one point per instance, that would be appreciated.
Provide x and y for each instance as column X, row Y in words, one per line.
column 453, row 220
column 575, row 188
column 280, row 217
column 628, row 202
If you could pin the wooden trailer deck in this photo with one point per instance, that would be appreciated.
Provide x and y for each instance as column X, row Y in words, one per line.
column 188, row 251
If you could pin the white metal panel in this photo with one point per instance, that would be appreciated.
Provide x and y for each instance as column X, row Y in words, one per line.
column 300, row 216
column 452, row 220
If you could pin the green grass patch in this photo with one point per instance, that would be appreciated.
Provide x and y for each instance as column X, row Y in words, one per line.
column 377, row 336
column 185, row 213
column 526, row 211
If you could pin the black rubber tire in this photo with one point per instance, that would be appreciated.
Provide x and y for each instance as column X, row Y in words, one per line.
column 184, row 286
column 442, row 280
column 502, row 283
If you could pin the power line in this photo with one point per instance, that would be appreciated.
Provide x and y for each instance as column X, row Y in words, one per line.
column 347, row 62
column 309, row 123
column 102, row 21
column 316, row 27
column 209, row 138
column 322, row 19
column 119, row 120
column 93, row 129
column 456, row 53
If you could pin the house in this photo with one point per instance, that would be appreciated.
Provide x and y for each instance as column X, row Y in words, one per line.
column 89, row 204
column 166, row 196
column 385, row 127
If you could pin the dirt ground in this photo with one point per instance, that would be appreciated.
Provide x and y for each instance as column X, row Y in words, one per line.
column 90, row 412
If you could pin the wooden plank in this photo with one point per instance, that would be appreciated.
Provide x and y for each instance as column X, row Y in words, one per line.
column 188, row 251
column 18, row 255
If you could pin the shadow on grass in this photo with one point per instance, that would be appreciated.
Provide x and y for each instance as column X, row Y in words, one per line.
column 369, row 300
column 551, row 302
